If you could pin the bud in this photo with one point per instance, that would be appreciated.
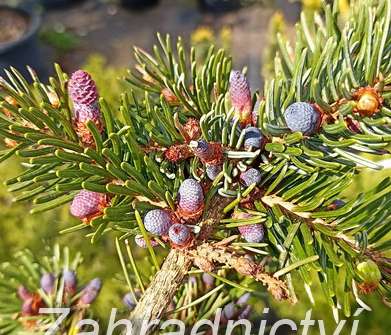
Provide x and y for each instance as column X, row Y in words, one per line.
column 368, row 101
column 190, row 199
column 129, row 301
column 70, row 281
column 179, row 234
column 53, row 99
column 87, row 204
column 251, row 176
column 370, row 274
column 140, row 241
column 24, row 293
column 208, row 280
column 192, row 129
column 212, row 171
column 91, row 292
column 158, row 221
column 47, row 283
column 170, row 97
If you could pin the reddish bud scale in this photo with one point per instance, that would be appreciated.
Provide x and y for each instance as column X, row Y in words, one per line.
column 209, row 153
column 368, row 100
column 178, row 152
column 170, row 97
column 191, row 129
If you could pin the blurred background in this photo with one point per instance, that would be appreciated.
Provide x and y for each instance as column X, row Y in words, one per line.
column 98, row 35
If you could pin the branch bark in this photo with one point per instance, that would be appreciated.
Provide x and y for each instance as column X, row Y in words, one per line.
column 168, row 279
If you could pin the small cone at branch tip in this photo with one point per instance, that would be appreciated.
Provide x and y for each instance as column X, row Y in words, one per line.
column 230, row 311
column 87, row 204
column 251, row 176
column 370, row 274
column 24, row 293
column 353, row 125
column 140, row 241
column 368, row 101
column 70, row 281
column 303, row 117
column 179, row 234
column 252, row 233
column 208, row 280
column 253, row 138
column 158, row 222
column 191, row 196
column 243, row 300
column 31, row 306
column 128, row 301
column 82, row 89
column 245, row 312
column 212, row 171
column 90, row 292
column 240, row 94
column 48, row 282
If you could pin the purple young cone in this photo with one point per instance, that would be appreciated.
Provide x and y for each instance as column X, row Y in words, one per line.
column 47, row 283
column 336, row 204
column 85, row 203
column 250, row 177
column 245, row 313
column 70, row 281
column 82, row 89
column 191, row 195
column 140, row 241
column 230, row 311
column 27, row 307
column 240, row 92
column 129, row 301
column 91, row 292
column 252, row 138
column 208, row 280
column 243, row 299
column 157, row 221
column 253, row 233
column 201, row 149
column 301, row 116
column 23, row 293
column 212, row 171
column 179, row 234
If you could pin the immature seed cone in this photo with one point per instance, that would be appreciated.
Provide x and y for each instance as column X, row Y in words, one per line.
column 252, row 233
column 90, row 292
column 84, row 95
column 24, row 293
column 253, row 138
column 31, row 306
column 208, row 280
column 191, row 198
column 47, row 283
column 303, row 117
column 251, row 176
column 212, row 171
column 87, row 205
column 208, row 153
column 158, row 221
column 129, row 301
column 179, row 234
column 70, row 281
column 241, row 97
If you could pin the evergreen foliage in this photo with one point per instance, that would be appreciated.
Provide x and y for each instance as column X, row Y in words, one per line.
column 177, row 120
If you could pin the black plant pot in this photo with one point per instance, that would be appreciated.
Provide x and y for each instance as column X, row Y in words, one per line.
column 58, row 3
column 24, row 50
column 139, row 4
column 217, row 6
